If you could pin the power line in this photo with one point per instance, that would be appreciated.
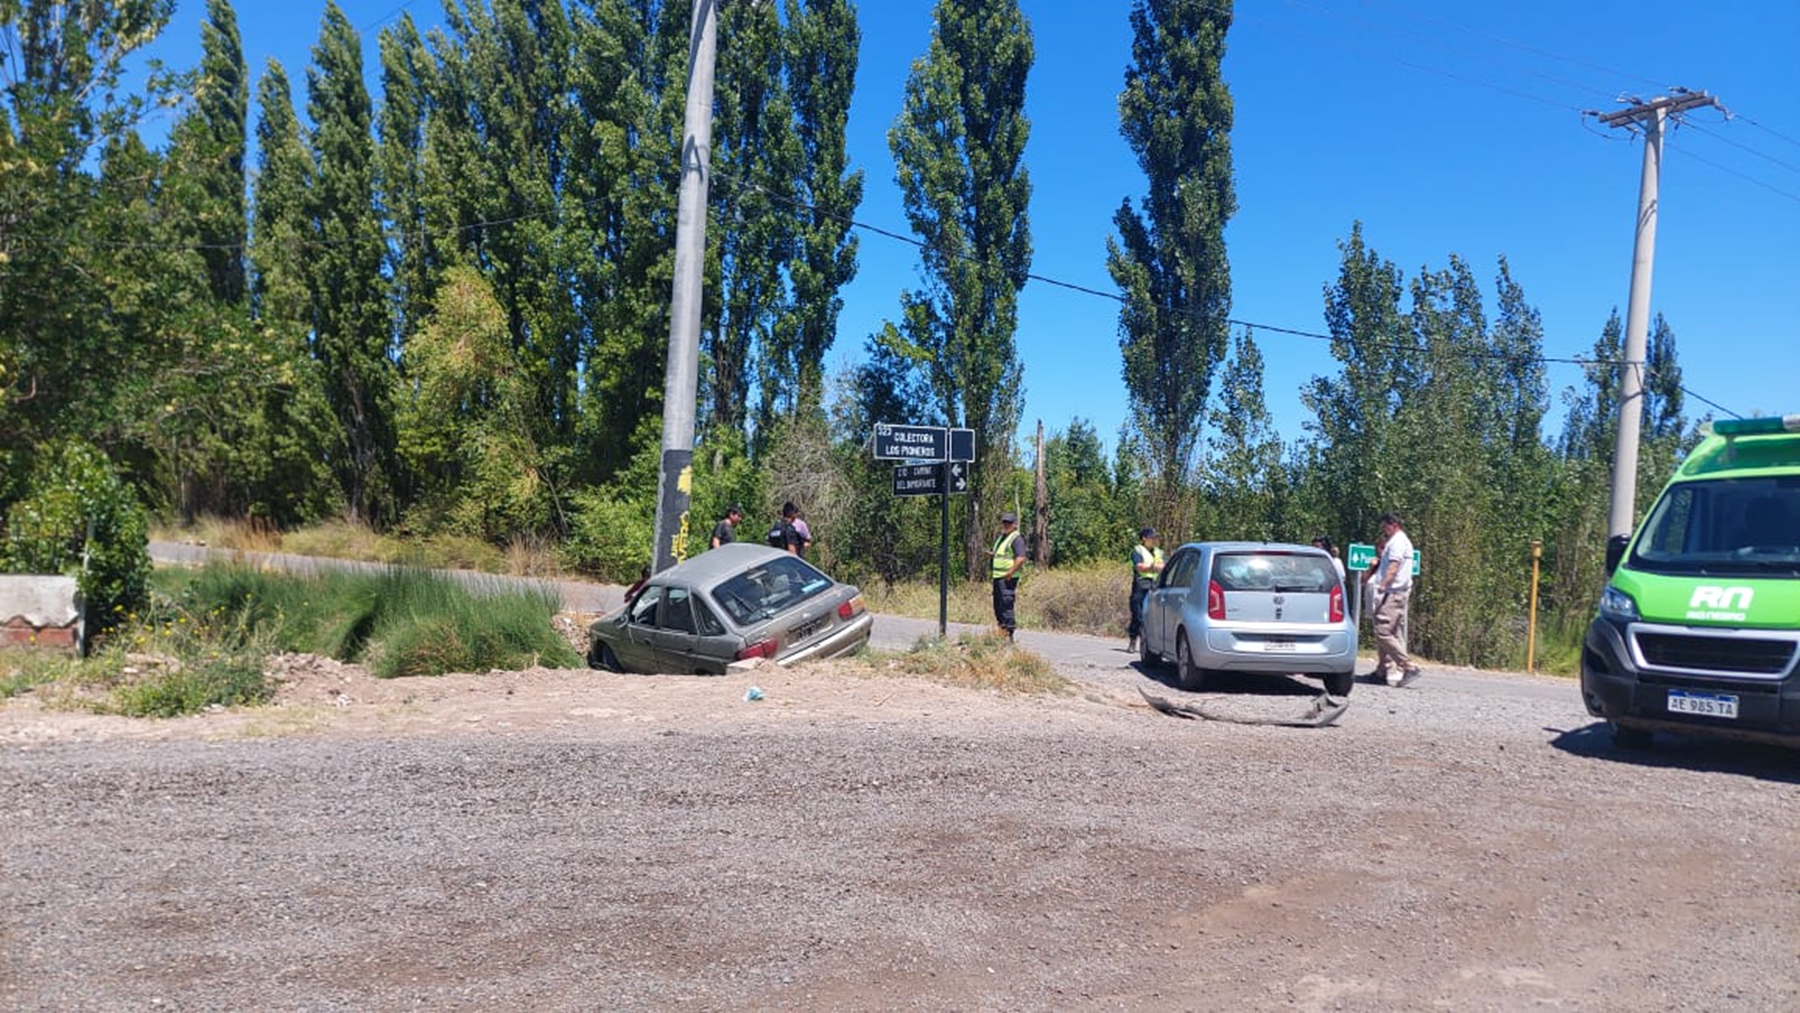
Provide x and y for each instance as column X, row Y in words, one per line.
column 1791, row 167
column 1733, row 172
column 799, row 205
column 1768, row 130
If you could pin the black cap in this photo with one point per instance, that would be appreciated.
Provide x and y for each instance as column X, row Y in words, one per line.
column 1009, row 518
column 1146, row 532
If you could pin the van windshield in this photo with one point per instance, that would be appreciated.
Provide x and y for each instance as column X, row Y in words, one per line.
column 1742, row 526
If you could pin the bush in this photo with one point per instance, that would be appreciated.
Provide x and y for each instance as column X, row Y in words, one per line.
column 610, row 538
column 79, row 518
column 397, row 622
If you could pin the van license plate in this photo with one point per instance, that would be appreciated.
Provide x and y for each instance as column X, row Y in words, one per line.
column 1712, row 705
column 1278, row 644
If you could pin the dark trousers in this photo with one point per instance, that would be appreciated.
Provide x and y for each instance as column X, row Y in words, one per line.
column 1006, row 591
column 1139, row 591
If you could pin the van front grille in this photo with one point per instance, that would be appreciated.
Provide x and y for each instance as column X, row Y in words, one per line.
column 1724, row 655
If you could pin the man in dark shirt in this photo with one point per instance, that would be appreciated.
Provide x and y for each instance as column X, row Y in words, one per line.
column 725, row 532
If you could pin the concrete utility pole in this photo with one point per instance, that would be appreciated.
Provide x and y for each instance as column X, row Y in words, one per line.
column 1651, row 117
column 681, row 382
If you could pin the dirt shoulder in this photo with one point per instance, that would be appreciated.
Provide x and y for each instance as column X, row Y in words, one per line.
column 861, row 840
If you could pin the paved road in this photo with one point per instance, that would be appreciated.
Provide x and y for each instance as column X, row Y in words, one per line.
column 1093, row 659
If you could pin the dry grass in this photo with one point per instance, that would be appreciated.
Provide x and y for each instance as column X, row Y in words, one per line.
column 1092, row 599
column 522, row 557
column 985, row 661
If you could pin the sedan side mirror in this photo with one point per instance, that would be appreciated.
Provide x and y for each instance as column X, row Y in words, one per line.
column 1615, row 551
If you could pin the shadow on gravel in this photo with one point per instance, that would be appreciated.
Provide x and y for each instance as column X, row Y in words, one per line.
column 1235, row 682
column 1684, row 752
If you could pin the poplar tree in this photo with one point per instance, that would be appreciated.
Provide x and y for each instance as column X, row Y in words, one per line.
column 348, row 312
column 821, row 60
column 1169, row 256
column 959, row 147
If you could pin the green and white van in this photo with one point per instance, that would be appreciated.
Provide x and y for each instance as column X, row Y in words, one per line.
column 1699, row 625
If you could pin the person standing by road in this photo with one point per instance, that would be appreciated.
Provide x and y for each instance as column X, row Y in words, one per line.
column 804, row 530
column 725, row 532
column 1321, row 542
column 1005, row 563
column 1393, row 590
column 1146, row 563
column 782, row 534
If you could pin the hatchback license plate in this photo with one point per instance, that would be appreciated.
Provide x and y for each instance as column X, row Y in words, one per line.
column 1278, row 644
column 808, row 628
column 1711, row 705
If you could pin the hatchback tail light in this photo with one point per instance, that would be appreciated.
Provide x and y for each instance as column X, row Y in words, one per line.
column 1215, row 600
column 851, row 609
column 760, row 649
column 1337, row 604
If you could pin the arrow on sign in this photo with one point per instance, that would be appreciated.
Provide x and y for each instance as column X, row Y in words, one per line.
column 959, row 478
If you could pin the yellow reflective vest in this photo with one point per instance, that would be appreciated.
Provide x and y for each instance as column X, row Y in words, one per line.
column 1140, row 555
column 1006, row 550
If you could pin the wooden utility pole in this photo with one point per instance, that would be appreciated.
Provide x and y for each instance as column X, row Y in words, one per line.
column 1652, row 118
column 1040, row 515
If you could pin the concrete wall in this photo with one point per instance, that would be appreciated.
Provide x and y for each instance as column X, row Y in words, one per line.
column 40, row 611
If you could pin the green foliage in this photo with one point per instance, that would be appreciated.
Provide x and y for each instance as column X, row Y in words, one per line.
column 398, row 622
column 610, row 538
column 79, row 518
column 1245, row 483
column 959, row 147
column 1086, row 522
column 1169, row 257
column 464, row 420
column 987, row 661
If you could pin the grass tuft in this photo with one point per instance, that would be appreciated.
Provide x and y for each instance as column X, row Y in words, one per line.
column 984, row 661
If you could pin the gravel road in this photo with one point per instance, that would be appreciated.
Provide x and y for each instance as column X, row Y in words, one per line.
column 859, row 841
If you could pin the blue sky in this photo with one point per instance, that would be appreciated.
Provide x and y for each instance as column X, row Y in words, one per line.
column 1444, row 128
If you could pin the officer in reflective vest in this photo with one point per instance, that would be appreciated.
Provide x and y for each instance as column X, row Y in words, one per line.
column 1146, row 563
column 1006, row 561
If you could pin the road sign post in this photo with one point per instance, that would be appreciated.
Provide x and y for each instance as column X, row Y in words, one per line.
column 940, row 457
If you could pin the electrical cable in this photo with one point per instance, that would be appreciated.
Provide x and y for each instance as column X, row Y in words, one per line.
column 1791, row 167
column 1668, row 143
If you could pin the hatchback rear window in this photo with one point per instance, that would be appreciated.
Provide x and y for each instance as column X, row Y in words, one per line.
column 768, row 590
column 1274, row 571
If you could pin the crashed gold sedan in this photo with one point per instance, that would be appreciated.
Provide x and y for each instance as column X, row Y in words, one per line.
column 736, row 602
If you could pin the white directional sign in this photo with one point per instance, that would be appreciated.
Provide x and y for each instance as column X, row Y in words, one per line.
column 911, row 443
column 929, row 480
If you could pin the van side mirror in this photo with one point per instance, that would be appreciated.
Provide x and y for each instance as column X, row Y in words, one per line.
column 1615, row 551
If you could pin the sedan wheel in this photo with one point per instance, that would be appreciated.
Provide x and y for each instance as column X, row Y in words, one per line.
column 1191, row 676
column 1150, row 658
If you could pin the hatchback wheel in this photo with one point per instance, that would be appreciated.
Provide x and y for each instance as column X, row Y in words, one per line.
column 1340, row 683
column 1150, row 658
column 602, row 657
column 1191, row 676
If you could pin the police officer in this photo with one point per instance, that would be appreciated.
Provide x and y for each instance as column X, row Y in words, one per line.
column 1146, row 563
column 1006, row 561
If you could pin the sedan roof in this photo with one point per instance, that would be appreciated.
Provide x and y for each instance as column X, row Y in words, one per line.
column 713, row 565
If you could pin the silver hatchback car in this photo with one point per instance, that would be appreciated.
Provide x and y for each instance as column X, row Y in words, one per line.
column 1263, row 607
column 732, row 603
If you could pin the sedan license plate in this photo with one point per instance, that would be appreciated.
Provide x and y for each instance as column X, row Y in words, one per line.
column 1278, row 644
column 1711, row 705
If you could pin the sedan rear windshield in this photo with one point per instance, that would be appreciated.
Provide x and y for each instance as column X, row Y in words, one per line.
column 1274, row 571
column 768, row 589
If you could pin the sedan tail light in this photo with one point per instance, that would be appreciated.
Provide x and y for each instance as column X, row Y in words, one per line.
column 760, row 649
column 1215, row 600
column 851, row 609
column 1337, row 604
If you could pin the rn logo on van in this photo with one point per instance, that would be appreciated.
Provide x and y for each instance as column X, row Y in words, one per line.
column 1720, row 603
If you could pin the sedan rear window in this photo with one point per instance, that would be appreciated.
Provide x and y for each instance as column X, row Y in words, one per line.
column 768, row 590
column 1274, row 571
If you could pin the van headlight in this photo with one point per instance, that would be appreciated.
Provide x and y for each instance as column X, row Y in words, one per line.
column 1617, row 606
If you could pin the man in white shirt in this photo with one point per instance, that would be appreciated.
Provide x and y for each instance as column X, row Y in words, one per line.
column 1393, row 589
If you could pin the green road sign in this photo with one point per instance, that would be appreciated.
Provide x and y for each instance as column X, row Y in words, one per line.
column 1360, row 557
